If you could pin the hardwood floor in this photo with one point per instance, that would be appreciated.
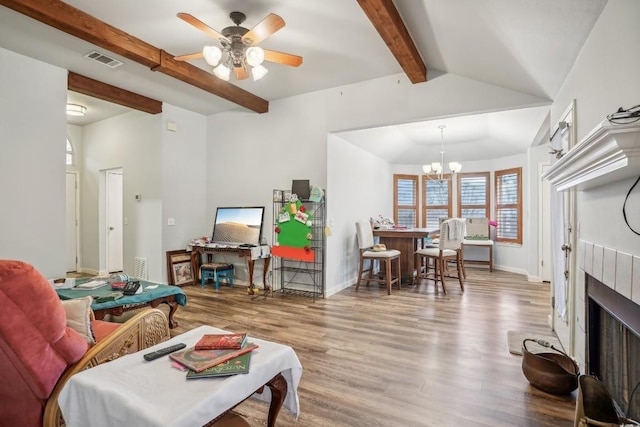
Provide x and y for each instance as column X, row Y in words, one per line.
column 415, row 358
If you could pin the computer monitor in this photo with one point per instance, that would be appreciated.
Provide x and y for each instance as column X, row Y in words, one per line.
column 238, row 225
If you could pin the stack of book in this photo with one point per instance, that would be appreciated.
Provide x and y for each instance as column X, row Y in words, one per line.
column 216, row 355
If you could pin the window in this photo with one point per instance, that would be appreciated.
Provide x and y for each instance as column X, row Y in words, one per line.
column 509, row 205
column 436, row 201
column 69, row 153
column 405, row 200
column 473, row 195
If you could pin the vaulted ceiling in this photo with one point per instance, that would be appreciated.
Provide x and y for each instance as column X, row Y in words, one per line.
column 522, row 45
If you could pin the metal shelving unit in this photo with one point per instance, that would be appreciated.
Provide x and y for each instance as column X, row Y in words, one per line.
column 295, row 277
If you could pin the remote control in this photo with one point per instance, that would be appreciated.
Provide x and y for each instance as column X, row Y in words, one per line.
column 163, row 351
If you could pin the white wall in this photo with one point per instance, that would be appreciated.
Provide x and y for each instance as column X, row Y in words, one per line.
column 32, row 162
column 184, row 175
column 361, row 187
column 603, row 78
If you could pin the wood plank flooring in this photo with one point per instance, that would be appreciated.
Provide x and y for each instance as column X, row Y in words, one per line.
column 415, row 358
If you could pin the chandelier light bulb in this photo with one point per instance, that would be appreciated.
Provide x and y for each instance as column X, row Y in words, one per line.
column 222, row 72
column 212, row 55
column 255, row 56
column 426, row 169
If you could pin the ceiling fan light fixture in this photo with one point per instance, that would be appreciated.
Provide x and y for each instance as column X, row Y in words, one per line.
column 258, row 72
column 222, row 72
column 254, row 56
column 212, row 55
column 76, row 110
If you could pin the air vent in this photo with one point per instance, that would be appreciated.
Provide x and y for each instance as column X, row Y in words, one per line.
column 140, row 268
column 103, row 59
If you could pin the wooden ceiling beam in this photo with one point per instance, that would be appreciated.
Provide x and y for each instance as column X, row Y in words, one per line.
column 387, row 21
column 104, row 91
column 77, row 23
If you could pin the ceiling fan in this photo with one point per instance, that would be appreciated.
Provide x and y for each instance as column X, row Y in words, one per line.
column 239, row 51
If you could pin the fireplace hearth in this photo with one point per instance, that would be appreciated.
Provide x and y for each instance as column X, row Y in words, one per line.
column 613, row 343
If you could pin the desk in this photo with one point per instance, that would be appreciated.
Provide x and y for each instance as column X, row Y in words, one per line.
column 163, row 294
column 407, row 241
column 250, row 254
column 132, row 392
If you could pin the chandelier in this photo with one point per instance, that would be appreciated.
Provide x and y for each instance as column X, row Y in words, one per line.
column 435, row 170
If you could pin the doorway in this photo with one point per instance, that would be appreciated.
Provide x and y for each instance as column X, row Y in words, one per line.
column 563, row 239
column 114, row 220
column 71, row 227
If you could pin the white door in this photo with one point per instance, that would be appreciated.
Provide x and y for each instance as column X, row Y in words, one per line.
column 114, row 221
column 71, row 223
column 563, row 242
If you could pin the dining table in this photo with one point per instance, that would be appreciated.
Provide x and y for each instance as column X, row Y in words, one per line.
column 407, row 241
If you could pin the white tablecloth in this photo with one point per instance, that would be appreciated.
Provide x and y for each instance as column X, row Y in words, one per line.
column 132, row 391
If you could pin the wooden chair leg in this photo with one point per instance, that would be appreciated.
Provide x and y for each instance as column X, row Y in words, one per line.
column 443, row 264
column 360, row 270
column 399, row 273
column 460, row 271
column 464, row 270
column 388, row 280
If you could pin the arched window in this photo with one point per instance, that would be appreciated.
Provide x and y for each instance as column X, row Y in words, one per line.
column 69, row 153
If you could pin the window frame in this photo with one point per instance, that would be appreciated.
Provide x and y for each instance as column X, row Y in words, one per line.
column 396, row 178
column 518, row 206
column 487, row 205
column 423, row 193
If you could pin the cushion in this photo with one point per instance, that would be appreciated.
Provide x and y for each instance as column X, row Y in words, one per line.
column 78, row 312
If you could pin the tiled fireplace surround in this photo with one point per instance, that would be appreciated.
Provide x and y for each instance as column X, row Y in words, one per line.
column 614, row 269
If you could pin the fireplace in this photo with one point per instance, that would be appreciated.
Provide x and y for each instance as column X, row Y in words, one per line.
column 613, row 343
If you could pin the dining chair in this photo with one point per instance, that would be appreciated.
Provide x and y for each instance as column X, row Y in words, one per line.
column 369, row 253
column 449, row 250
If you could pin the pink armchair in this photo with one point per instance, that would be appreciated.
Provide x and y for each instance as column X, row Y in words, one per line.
column 39, row 352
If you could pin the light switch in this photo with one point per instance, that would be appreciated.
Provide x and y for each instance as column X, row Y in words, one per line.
column 171, row 221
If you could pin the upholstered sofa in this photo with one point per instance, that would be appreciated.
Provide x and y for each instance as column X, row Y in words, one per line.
column 39, row 350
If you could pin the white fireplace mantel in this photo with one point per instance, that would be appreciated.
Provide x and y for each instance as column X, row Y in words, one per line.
column 609, row 153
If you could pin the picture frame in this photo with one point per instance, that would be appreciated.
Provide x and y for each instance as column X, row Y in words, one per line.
column 277, row 195
column 286, row 195
column 179, row 268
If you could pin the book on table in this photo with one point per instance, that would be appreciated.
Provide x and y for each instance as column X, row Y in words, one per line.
column 237, row 365
column 199, row 360
column 221, row 341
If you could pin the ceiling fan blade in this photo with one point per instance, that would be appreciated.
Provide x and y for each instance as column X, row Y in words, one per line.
column 263, row 29
column 282, row 58
column 241, row 73
column 188, row 57
column 201, row 26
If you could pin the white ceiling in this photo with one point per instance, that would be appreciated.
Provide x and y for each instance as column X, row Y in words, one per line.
column 524, row 45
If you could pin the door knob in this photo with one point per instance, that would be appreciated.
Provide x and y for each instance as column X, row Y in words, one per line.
column 111, row 229
column 566, row 248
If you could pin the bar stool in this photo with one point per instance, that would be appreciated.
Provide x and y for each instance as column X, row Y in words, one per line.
column 216, row 271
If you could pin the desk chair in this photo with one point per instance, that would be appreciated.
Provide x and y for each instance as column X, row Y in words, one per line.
column 366, row 245
column 449, row 250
